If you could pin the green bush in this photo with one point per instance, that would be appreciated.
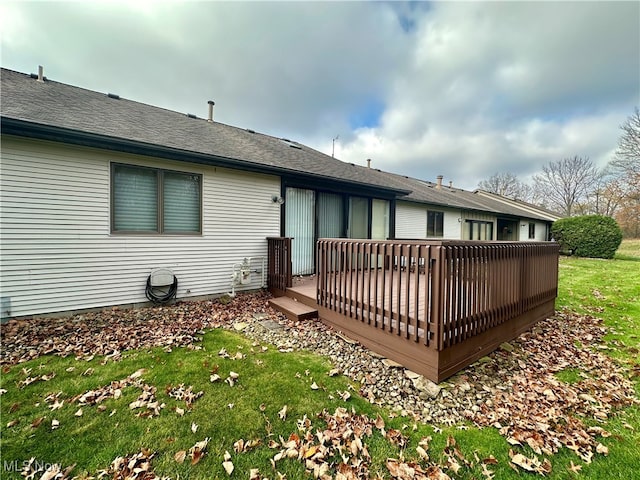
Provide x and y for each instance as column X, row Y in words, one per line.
column 593, row 236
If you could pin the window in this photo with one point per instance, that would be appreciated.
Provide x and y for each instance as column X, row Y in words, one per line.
column 435, row 222
column 532, row 230
column 151, row 200
column 479, row 230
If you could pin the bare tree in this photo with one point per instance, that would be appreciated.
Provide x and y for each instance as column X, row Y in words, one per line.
column 507, row 185
column 625, row 168
column 566, row 183
column 628, row 154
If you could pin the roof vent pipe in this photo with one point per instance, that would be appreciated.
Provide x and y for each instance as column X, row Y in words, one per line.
column 368, row 163
column 439, row 181
column 450, row 183
column 40, row 73
column 211, row 104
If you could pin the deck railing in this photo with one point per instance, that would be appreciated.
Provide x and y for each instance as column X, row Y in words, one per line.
column 435, row 293
column 279, row 276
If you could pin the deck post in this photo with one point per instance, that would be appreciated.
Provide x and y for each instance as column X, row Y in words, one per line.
column 279, row 276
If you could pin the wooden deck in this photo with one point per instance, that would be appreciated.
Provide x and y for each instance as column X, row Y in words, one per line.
column 433, row 307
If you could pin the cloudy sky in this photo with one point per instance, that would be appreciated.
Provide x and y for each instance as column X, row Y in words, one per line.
column 462, row 89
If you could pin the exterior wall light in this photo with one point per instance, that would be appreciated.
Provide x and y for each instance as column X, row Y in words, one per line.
column 277, row 199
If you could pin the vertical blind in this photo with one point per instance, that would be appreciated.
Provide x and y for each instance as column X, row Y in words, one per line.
column 181, row 202
column 299, row 223
column 135, row 199
column 155, row 201
column 358, row 217
column 379, row 219
column 330, row 215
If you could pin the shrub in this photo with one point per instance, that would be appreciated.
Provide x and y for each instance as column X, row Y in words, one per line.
column 594, row 236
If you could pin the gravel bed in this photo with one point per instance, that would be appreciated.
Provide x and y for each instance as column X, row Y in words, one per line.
column 381, row 381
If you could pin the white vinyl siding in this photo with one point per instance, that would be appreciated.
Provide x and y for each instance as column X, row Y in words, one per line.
column 57, row 250
column 411, row 221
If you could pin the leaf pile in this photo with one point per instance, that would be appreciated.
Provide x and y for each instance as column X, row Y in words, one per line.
column 114, row 330
column 536, row 409
column 339, row 448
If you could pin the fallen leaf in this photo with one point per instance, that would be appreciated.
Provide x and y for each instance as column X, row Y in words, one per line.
column 54, row 424
column 228, row 467
column 179, row 411
column 283, row 413
column 254, row 474
column 36, row 423
column 180, row 456
column 522, row 461
column 600, row 448
column 422, row 453
column 574, row 468
column 194, row 427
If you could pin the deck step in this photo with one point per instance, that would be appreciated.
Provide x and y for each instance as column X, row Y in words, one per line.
column 292, row 309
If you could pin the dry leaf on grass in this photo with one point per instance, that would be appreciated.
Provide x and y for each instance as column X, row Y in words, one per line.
column 283, row 413
column 574, row 468
column 180, row 456
column 198, row 450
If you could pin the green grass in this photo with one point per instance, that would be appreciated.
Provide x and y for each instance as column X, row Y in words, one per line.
column 268, row 380
column 629, row 250
column 224, row 413
column 608, row 289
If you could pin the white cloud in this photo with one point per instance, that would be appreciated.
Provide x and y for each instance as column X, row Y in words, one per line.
column 508, row 87
column 463, row 89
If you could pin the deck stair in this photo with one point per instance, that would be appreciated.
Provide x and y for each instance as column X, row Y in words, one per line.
column 293, row 309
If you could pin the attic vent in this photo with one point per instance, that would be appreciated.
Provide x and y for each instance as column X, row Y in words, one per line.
column 286, row 141
column 114, row 96
column 191, row 115
column 250, row 131
column 35, row 76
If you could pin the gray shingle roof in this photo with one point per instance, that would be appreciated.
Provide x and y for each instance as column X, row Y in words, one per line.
column 62, row 106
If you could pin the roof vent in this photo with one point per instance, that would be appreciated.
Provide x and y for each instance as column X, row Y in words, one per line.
column 38, row 76
column 114, row 96
column 211, row 104
column 250, row 131
column 286, row 141
column 439, row 181
column 191, row 115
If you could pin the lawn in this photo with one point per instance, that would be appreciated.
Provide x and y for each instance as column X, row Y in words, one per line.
column 231, row 404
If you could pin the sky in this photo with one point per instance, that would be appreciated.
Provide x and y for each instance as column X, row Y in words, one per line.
column 459, row 89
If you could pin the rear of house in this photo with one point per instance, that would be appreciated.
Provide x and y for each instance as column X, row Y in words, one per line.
column 83, row 227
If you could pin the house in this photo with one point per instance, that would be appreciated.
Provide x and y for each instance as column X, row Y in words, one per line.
column 98, row 190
